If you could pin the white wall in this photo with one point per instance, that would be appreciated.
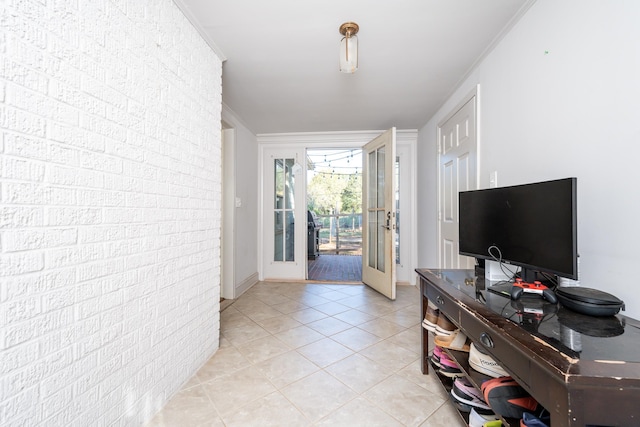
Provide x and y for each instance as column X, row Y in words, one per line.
column 109, row 262
column 559, row 98
column 246, row 217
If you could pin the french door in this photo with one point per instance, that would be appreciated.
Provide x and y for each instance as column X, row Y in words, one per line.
column 379, row 214
column 284, row 217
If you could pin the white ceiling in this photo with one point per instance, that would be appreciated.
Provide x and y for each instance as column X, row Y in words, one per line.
column 281, row 70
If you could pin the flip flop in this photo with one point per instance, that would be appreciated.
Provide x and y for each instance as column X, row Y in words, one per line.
column 456, row 341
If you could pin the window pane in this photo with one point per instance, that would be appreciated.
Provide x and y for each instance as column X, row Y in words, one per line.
column 289, row 184
column 290, row 237
column 283, row 222
column 371, row 184
column 380, row 175
column 381, row 239
column 373, row 238
column 279, row 183
column 278, row 253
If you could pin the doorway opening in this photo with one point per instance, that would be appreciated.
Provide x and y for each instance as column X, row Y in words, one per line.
column 334, row 211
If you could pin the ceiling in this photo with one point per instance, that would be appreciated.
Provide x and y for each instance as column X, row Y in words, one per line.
column 281, row 69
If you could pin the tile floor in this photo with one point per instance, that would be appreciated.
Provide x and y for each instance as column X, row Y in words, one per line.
column 314, row 355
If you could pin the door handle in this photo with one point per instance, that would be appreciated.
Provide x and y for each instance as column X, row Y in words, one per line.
column 388, row 224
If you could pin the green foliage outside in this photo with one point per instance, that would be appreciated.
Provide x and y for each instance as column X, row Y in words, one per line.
column 327, row 191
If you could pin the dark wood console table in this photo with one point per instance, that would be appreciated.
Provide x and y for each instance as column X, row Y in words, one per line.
column 584, row 370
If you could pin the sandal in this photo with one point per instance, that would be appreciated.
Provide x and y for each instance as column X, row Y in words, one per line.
column 456, row 341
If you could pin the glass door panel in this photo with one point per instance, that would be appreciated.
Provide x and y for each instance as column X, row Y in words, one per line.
column 284, row 215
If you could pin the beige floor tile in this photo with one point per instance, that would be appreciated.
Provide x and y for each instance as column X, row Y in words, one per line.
column 239, row 336
column 287, row 368
column 300, row 336
column 409, row 339
column 231, row 392
column 358, row 372
column 324, row 352
column 445, row 415
column 235, row 319
column 404, row 400
column 356, row 339
column 359, row 413
column 307, row 315
column 311, row 300
column 354, row 317
column 225, row 361
column 318, row 395
column 331, row 308
column 272, row 298
column 289, row 306
column 263, row 348
column 334, row 295
column 273, row 410
column 406, row 317
column 189, row 407
column 279, row 324
column 262, row 313
column 354, row 301
column 430, row 381
column 353, row 289
column 388, row 354
column 329, row 326
column 382, row 328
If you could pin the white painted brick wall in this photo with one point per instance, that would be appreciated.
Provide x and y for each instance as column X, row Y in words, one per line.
column 110, row 209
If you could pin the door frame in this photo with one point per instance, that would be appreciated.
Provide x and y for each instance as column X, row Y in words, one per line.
column 475, row 92
column 339, row 140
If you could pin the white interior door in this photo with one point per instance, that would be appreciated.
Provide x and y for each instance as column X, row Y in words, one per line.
column 378, row 231
column 458, row 172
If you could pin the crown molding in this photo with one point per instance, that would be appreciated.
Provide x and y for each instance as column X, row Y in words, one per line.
column 199, row 28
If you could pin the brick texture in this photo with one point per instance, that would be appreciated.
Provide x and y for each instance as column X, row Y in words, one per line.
column 109, row 209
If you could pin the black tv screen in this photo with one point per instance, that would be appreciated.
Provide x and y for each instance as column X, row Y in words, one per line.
column 534, row 226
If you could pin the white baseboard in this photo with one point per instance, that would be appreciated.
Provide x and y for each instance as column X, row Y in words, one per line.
column 246, row 284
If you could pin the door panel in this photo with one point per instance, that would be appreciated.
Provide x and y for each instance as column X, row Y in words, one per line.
column 458, row 159
column 379, row 188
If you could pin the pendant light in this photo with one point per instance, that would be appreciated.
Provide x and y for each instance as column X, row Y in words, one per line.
column 349, row 47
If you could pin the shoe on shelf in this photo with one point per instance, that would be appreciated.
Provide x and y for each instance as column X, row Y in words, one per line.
column 476, row 419
column 448, row 367
column 444, row 327
column 530, row 420
column 456, row 341
column 480, row 361
column 431, row 317
column 507, row 398
column 465, row 392
column 435, row 356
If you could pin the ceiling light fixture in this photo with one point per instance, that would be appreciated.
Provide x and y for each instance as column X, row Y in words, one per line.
column 349, row 47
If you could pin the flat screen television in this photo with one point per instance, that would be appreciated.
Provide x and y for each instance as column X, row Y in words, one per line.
column 533, row 226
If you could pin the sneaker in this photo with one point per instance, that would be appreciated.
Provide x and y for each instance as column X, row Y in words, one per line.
column 480, row 361
column 435, row 356
column 448, row 367
column 431, row 317
column 476, row 419
column 444, row 327
column 507, row 398
column 465, row 392
column 462, row 407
